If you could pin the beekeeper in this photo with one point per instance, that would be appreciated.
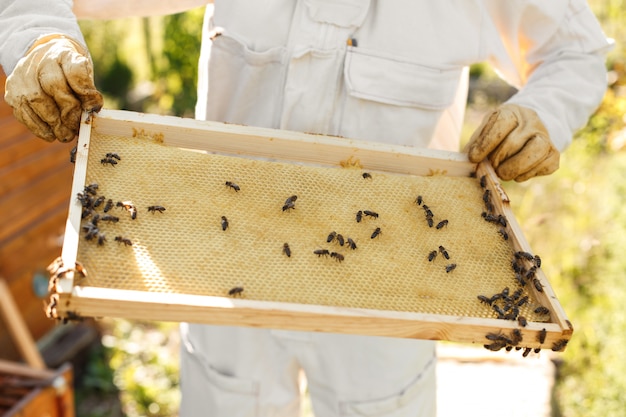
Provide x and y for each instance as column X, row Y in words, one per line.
column 393, row 72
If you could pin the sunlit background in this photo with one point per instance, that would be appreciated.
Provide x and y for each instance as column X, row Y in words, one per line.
column 574, row 219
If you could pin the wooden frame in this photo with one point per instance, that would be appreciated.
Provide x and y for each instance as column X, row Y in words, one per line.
column 75, row 301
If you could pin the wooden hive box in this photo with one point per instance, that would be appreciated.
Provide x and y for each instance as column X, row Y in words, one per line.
column 29, row 392
column 227, row 224
column 35, row 180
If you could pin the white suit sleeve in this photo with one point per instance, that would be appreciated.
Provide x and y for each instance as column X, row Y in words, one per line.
column 22, row 22
column 556, row 57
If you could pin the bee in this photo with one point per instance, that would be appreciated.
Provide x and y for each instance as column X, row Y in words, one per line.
column 517, row 294
column 321, row 252
column 91, row 189
column 101, row 239
column 542, row 310
column 419, row 200
column 538, row 285
column 450, row 268
column 430, row 221
column 483, row 299
column 524, row 255
column 340, row 239
column 530, row 274
column 113, row 156
column 331, row 237
column 483, row 181
column 73, row 152
column 123, row 240
column 109, row 218
column 504, row 234
column 337, row 256
column 84, row 200
column 487, row 196
column 442, row 223
column 522, row 301
column 98, row 201
column 502, row 220
column 235, row 291
column 432, row 255
column 505, row 292
column 95, row 219
column 290, row 203
column 154, row 209
column 498, row 311
column 541, row 336
column 444, row 252
column 108, row 160
column 537, row 350
column 372, row 214
column 537, row 261
column 559, row 345
column 359, row 216
column 287, row 250
column 496, row 346
column 92, row 231
column 375, row 233
column 351, row 243
column 130, row 207
column 521, row 320
column 224, row 223
column 493, row 336
column 526, row 351
column 232, row 185
column 108, row 206
column 516, row 337
column 367, row 175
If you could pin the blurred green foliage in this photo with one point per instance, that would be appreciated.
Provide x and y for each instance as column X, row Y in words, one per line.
column 147, row 64
column 576, row 221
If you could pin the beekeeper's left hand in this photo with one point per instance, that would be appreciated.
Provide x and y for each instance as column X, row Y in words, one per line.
column 516, row 143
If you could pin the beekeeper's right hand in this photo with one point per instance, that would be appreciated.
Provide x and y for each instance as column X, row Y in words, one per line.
column 51, row 86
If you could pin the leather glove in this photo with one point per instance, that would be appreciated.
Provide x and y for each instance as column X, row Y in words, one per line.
column 516, row 143
column 51, row 86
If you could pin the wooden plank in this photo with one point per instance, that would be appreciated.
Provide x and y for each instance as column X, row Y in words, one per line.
column 18, row 369
column 19, row 144
column 18, row 329
column 26, row 205
column 138, row 305
column 283, row 145
column 36, row 246
column 546, row 296
column 28, row 169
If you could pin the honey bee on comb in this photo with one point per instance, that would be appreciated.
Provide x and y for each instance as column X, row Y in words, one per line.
column 154, row 209
column 235, row 291
column 290, row 203
column 232, row 185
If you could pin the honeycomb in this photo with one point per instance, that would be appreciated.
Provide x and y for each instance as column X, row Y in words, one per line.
column 185, row 249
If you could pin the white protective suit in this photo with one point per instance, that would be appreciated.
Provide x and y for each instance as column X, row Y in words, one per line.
column 389, row 71
column 288, row 64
